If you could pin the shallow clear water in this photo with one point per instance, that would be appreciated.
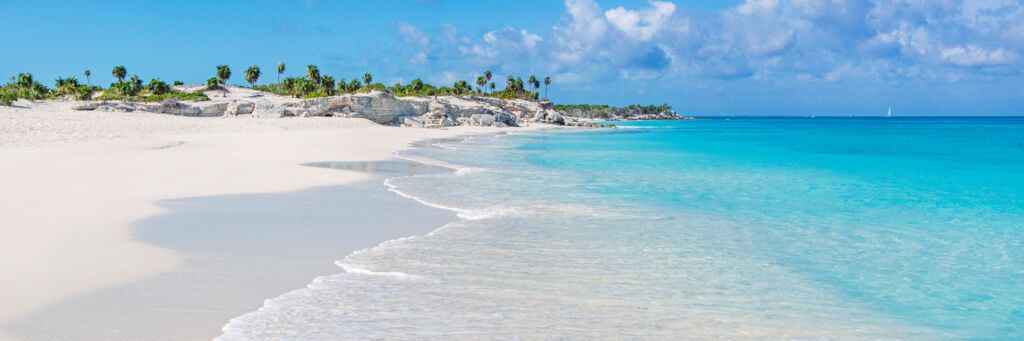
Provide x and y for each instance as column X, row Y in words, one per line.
column 907, row 228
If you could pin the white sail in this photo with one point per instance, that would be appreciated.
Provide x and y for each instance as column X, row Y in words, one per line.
column 890, row 112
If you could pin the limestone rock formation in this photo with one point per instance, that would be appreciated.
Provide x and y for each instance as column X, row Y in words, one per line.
column 379, row 107
column 239, row 108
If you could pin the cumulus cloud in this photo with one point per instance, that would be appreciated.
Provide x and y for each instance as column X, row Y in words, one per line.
column 642, row 24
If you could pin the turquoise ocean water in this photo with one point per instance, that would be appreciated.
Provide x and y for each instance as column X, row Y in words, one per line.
column 771, row 228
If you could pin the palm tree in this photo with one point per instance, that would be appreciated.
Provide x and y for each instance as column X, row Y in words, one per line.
column 547, row 80
column 353, row 85
column 67, row 86
column 119, row 72
column 280, row 70
column 62, row 85
column 492, row 87
column 224, row 73
column 306, row 87
column 461, row 87
column 508, row 82
column 314, row 74
column 480, row 82
column 252, row 74
column 487, row 74
column 533, row 79
column 535, row 83
column 327, row 82
column 25, row 80
column 367, row 78
column 288, row 85
column 87, row 74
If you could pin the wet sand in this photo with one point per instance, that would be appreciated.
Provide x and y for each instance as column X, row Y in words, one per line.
column 239, row 250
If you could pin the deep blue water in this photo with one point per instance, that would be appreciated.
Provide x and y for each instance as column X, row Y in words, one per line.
column 748, row 228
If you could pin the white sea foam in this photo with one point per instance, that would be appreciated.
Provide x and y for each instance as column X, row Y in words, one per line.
column 358, row 270
column 444, row 146
column 496, row 211
column 459, row 169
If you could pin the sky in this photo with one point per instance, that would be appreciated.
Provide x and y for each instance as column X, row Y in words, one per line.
column 725, row 57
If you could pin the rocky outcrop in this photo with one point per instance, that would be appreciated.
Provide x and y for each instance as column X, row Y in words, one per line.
column 166, row 107
column 379, row 107
column 386, row 109
column 106, row 106
column 239, row 108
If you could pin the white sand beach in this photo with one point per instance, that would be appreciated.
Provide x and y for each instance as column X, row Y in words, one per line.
column 74, row 183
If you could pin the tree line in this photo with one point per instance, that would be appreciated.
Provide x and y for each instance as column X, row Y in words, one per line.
column 605, row 111
column 313, row 84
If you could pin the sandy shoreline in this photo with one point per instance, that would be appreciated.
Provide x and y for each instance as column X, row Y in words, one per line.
column 75, row 182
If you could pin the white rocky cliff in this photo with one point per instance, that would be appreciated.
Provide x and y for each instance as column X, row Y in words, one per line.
column 379, row 107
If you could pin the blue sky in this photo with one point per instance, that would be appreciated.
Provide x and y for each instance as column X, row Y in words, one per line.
column 768, row 57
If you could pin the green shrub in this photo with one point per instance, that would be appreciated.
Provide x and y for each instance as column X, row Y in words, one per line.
column 271, row 88
column 157, row 87
column 7, row 97
column 26, row 87
column 177, row 95
column 212, row 84
column 128, row 88
column 84, row 93
column 373, row 87
column 315, row 94
column 176, row 83
column 66, row 86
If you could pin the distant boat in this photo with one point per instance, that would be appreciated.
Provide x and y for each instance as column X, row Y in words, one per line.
column 889, row 115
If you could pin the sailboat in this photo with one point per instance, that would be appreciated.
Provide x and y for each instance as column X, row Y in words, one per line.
column 889, row 115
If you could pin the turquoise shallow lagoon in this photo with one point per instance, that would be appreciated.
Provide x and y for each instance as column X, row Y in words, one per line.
column 745, row 228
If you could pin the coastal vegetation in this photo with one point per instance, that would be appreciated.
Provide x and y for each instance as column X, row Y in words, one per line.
column 252, row 74
column 313, row 84
column 119, row 72
column 605, row 111
column 223, row 74
column 154, row 91
column 132, row 89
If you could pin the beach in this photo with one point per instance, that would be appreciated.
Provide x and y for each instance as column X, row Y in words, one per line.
column 132, row 225
column 75, row 183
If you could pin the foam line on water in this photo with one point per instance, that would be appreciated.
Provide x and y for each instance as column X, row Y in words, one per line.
column 459, row 169
column 358, row 270
column 460, row 212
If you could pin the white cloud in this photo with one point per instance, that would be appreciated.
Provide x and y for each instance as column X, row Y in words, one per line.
column 756, row 27
column 587, row 22
column 976, row 56
column 529, row 40
column 413, row 35
column 641, row 24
